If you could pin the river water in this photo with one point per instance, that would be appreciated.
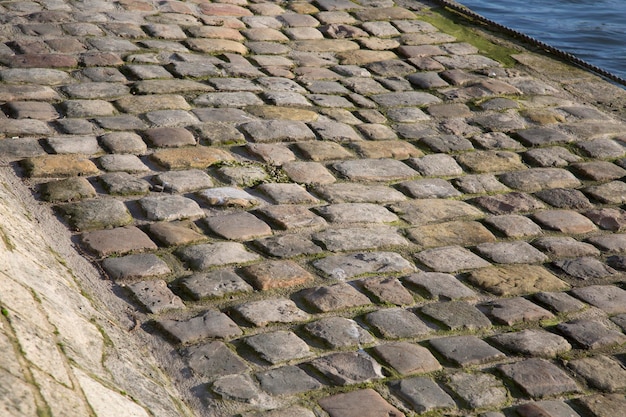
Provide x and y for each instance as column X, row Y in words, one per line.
column 593, row 30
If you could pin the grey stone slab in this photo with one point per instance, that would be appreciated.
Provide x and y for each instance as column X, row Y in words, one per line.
column 457, row 315
column 211, row 324
column 407, row 358
column 117, row 241
column 279, row 346
column 348, row 368
column 287, row 380
column 217, row 133
column 610, row 243
column 264, row 312
column 585, row 268
column 348, row 266
column 439, row 286
column 355, row 239
column 508, row 203
column 172, row 207
column 541, row 136
column 360, row 403
column 423, row 394
column 277, row 131
column 536, row 179
column 510, row 311
column 287, row 246
column 598, row 170
column 612, row 219
column 397, row 323
column 554, row 156
column 240, row 388
column 565, row 247
column 228, row 99
column 96, row 214
column 207, row 255
column 358, row 193
column 436, row 165
column 450, row 259
column 124, row 142
column 613, row 192
column 514, row 226
column 214, row 284
column 602, row 148
column 405, row 99
column 289, row 217
column 214, row 359
column 184, row 181
column 291, row 411
column 518, row 252
column 479, row 184
column 176, row 233
column 551, row 408
column 533, row 342
column 123, row 183
column 377, row 170
column 609, row 298
column 429, row 188
column 559, row 302
column 602, row 405
column 387, row 290
column 122, row 163
column 334, row 297
column 602, row 372
column 86, row 145
column 18, row 148
column 306, row 172
column 286, row 193
column 430, row 210
column 135, row 266
column 479, row 390
column 565, row 198
column 591, row 334
column 539, row 378
column 564, row 221
column 228, row 196
column 69, row 189
column 339, row 332
column 238, row 226
column 466, row 350
column 155, row 296
column 448, row 144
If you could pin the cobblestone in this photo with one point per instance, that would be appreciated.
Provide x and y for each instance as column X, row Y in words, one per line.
column 397, row 323
column 276, row 190
column 423, row 394
column 603, row 372
column 591, row 334
column 365, row 403
column 606, row 297
column 539, row 378
column 349, row 266
column 211, row 324
column 510, row 311
column 347, row 368
column 480, row 390
column 339, row 332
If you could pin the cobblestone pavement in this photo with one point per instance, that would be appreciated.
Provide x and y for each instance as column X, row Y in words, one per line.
column 331, row 207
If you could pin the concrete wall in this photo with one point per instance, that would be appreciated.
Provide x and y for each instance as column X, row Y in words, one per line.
column 66, row 347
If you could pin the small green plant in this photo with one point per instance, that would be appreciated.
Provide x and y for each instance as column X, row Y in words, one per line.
column 4, row 312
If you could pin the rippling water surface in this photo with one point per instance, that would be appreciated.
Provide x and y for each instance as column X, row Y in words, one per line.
column 593, row 30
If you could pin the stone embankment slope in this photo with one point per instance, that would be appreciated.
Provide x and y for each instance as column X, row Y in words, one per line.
column 304, row 208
